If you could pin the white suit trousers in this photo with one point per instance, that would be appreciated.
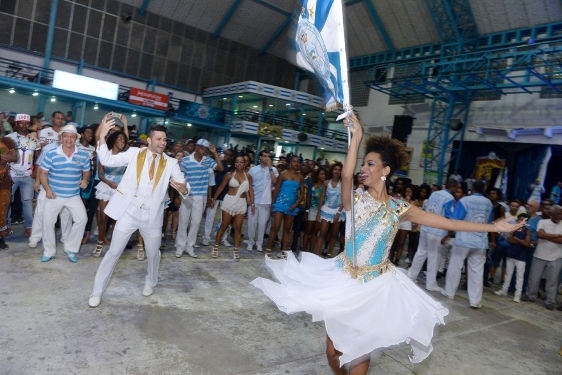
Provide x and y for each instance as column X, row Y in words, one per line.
column 428, row 248
column 258, row 222
column 475, row 259
column 72, row 241
column 191, row 213
column 134, row 218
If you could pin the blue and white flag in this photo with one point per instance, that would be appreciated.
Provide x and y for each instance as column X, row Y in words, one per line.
column 320, row 45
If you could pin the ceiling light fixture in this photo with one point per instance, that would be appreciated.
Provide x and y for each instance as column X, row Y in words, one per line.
column 189, row 124
column 134, row 114
column 11, row 91
column 53, row 99
column 35, row 93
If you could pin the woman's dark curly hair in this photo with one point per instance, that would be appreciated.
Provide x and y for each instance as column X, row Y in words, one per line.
column 113, row 137
column 317, row 173
column 392, row 152
column 331, row 170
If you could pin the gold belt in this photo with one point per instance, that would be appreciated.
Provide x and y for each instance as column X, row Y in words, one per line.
column 361, row 271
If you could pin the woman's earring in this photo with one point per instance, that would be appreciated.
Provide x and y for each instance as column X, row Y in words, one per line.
column 383, row 177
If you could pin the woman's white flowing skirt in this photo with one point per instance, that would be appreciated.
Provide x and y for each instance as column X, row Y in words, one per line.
column 359, row 318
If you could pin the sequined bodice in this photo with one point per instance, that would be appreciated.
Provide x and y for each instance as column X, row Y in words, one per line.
column 376, row 224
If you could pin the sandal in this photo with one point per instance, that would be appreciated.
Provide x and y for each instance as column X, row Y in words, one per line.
column 215, row 252
column 268, row 252
column 98, row 249
column 282, row 254
column 140, row 251
column 174, row 236
column 235, row 255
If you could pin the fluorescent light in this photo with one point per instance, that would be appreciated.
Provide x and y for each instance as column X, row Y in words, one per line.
column 189, row 124
column 11, row 91
column 240, row 96
column 288, row 104
column 255, row 106
column 271, row 105
column 224, row 98
column 134, row 114
column 53, row 99
column 165, row 122
column 321, row 148
column 35, row 93
column 96, row 106
column 277, row 138
column 286, row 141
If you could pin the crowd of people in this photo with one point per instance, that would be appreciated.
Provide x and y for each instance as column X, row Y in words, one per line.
column 294, row 206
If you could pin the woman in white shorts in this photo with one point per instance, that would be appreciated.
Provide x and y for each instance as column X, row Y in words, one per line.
column 404, row 228
column 331, row 209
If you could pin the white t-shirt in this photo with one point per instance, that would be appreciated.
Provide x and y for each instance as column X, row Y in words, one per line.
column 48, row 136
column 26, row 149
column 547, row 250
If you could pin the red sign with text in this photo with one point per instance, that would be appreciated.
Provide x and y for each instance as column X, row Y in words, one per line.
column 148, row 99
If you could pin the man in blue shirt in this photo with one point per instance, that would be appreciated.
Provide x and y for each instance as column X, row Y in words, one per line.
column 195, row 168
column 64, row 171
column 470, row 246
column 440, row 202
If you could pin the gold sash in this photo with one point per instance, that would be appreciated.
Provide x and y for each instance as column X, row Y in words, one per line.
column 141, row 157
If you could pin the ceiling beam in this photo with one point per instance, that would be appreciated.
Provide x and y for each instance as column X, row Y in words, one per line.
column 272, row 7
column 143, row 7
column 378, row 23
column 276, row 34
column 226, row 18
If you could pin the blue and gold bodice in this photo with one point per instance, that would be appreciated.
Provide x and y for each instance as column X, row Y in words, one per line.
column 376, row 224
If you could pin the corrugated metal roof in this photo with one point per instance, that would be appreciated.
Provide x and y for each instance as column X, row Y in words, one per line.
column 407, row 22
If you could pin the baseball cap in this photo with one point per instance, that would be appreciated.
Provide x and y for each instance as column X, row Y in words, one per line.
column 203, row 142
column 22, row 117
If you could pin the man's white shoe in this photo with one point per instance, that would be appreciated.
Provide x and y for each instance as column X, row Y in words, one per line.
column 191, row 253
column 205, row 242
column 178, row 253
column 226, row 243
column 147, row 291
column 434, row 289
column 94, row 301
column 33, row 244
column 259, row 248
column 250, row 247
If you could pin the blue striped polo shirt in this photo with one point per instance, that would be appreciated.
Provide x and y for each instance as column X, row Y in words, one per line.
column 64, row 173
column 197, row 174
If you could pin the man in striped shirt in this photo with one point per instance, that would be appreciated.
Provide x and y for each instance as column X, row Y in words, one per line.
column 195, row 167
column 64, row 171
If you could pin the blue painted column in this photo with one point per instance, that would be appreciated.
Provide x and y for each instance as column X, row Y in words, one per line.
column 80, row 67
column 50, row 34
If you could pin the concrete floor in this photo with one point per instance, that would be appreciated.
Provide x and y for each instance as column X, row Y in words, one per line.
column 205, row 318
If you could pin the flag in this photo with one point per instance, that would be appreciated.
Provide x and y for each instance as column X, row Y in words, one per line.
column 320, row 48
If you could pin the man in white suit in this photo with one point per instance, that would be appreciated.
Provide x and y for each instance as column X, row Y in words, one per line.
column 138, row 202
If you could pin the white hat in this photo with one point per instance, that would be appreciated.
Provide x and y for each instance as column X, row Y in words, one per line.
column 69, row 129
column 203, row 142
column 22, row 117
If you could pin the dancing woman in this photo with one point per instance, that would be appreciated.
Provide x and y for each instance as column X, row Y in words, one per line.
column 331, row 209
column 288, row 190
column 364, row 301
column 234, row 205
column 110, row 177
column 313, row 223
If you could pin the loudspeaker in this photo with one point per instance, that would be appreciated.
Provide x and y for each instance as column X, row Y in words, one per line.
column 402, row 128
column 455, row 124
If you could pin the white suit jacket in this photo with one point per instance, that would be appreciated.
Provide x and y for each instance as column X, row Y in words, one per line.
column 167, row 168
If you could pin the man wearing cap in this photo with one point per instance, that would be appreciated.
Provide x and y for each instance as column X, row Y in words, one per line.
column 138, row 202
column 8, row 154
column 50, row 134
column 195, row 167
column 64, row 171
column 21, row 171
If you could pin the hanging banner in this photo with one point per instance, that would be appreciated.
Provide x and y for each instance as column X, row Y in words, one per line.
column 148, row 99
column 320, row 48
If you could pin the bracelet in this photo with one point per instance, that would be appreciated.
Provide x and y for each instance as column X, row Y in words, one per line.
column 271, row 169
column 495, row 227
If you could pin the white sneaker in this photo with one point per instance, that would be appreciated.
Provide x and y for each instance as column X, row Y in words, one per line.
column 259, row 248
column 196, row 246
column 205, row 242
column 191, row 253
column 500, row 292
column 33, row 244
column 147, row 291
column 178, row 253
column 407, row 260
column 226, row 243
column 446, row 295
column 434, row 289
column 250, row 247
column 94, row 301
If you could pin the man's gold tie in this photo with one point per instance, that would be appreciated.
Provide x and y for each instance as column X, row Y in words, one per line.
column 151, row 169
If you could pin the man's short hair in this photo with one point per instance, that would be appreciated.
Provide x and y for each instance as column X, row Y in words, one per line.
column 156, row 128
